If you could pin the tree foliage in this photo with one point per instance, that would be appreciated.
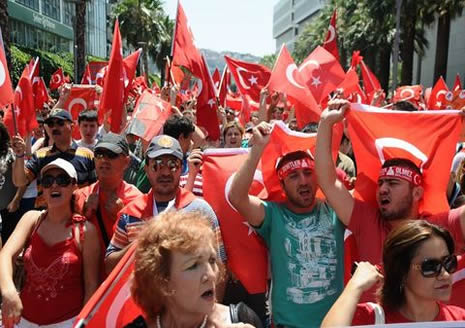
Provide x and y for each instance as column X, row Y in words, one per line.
column 268, row 60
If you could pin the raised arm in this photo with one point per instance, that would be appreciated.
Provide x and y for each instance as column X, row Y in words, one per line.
column 342, row 312
column 336, row 193
column 249, row 206
column 19, row 171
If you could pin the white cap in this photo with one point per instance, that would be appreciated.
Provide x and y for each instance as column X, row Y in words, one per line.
column 62, row 164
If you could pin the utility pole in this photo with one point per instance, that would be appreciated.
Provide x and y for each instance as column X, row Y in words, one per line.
column 395, row 56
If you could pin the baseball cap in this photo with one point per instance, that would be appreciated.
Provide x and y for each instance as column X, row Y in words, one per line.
column 164, row 145
column 62, row 164
column 113, row 142
column 59, row 114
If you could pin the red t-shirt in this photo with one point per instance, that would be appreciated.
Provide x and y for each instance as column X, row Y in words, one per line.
column 370, row 230
column 365, row 315
column 458, row 287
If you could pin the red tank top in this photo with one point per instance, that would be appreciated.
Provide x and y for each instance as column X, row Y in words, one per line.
column 54, row 287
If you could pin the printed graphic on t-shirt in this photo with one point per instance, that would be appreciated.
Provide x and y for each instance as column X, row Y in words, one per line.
column 312, row 259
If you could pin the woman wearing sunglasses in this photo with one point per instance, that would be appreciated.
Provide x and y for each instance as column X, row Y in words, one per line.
column 419, row 260
column 61, row 257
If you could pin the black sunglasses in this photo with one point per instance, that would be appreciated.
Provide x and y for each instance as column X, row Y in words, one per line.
column 172, row 164
column 430, row 268
column 62, row 180
column 101, row 153
column 52, row 123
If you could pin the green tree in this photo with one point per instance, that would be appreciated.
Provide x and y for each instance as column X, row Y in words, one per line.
column 143, row 22
column 5, row 30
column 162, row 49
column 268, row 60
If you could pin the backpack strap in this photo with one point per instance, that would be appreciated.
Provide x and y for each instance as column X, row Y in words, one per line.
column 379, row 313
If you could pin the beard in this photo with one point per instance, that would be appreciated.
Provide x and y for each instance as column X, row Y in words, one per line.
column 401, row 212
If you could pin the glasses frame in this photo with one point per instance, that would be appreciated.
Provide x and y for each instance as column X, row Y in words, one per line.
column 159, row 164
column 440, row 263
column 68, row 180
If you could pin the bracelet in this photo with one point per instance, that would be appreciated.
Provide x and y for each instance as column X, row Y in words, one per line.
column 20, row 156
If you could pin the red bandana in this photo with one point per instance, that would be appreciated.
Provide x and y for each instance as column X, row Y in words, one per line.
column 286, row 169
column 401, row 173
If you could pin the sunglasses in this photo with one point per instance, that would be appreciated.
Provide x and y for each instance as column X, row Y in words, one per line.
column 100, row 153
column 430, row 268
column 172, row 164
column 51, row 124
column 62, row 180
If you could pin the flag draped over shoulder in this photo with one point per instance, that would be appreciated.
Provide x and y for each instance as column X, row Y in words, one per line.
column 428, row 138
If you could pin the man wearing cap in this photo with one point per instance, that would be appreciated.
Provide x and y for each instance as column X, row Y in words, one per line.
column 303, row 235
column 101, row 201
column 60, row 124
column 163, row 168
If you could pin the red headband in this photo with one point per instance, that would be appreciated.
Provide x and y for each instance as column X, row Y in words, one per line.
column 303, row 163
column 403, row 173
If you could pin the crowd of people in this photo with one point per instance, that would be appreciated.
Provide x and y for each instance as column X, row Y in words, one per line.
column 71, row 210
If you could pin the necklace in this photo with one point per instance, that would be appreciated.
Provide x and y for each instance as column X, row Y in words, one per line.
column 203, row 325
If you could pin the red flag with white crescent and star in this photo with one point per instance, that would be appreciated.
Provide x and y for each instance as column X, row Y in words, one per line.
column 410, row 93
column 86, row 78
column 250, row 78
column 6, row 89
column 216, row 79
column 57, row 79
column 321, row 73
column 40, row 92
column 244, row 247
column 379, row 134
column 286, row 78
column 437, row 99
column 330, row 43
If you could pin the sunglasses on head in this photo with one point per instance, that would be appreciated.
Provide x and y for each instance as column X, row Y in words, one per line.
column 172, row 164
column 430, row 268
column 101, row 153
column 52, row 123
column 62, row 180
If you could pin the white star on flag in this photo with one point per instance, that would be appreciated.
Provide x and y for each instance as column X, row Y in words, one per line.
column 253, row 80
column 251, row 229
column 316, row 81
column 439, row 103
column 211, row 102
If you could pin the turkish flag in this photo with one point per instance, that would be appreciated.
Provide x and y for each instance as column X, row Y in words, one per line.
column 6, row 90
column 111, row 306
column 246, row 110
column 322, row 73
column 224, row 85
column 411, row 93
column 86, row 78
column 330, row 43
column 287, row 78
column 25, row 113
column 370, row 82
column 428, row 138
column 184, row 52
column 457, row 83
column 100, row 76
column 352, row 90
column 282, row 141
column 57, row 79
column 206, row 104
column 250, row 78
column 437, row 99
column 130, row 67
column 356, row 59
column 247, row 253
column 81, row 97
column 40, row 92
column 234, row 102
column 216, row 79
column 150, row 113
column 112, row 101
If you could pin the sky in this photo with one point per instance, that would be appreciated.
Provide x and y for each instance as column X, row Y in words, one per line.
column 244, row 26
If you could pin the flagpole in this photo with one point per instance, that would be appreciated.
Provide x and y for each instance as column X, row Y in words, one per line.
column 175, row 29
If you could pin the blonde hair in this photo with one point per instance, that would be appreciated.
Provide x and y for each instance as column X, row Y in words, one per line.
column 170, row 231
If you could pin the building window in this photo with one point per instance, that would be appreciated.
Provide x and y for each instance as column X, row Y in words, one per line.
column 296, row 31
column 69, row 10
column 51, row 8
column 292, row 17
column 34, row 4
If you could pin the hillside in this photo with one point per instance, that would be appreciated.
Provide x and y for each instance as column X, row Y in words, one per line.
column 216, row 59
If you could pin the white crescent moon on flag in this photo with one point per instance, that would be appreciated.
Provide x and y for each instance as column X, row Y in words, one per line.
column 441, row 92
column 309, row 62
column 290, row 75
column 332, row 34
column 75, row 101
column 241, row 80
column 410, row 92
column 20, row 92
column 382, row 143
column 258, row 176
column 2, row 74
column 56, row 78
